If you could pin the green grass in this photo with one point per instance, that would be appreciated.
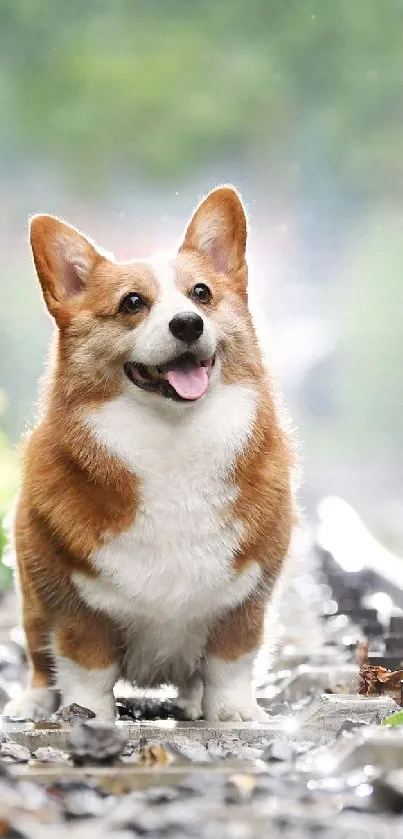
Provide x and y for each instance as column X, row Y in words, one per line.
column 394, row 719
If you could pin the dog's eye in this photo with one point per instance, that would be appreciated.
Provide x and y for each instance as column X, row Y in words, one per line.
column 201, row 293
column 131, row 304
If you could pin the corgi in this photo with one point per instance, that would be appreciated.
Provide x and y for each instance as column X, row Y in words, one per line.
column 156, row 505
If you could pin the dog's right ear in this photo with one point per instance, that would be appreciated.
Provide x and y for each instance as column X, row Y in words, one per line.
column 218, row 229
column 64, row 260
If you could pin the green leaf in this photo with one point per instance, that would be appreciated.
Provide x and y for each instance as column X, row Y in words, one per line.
column 394, row 719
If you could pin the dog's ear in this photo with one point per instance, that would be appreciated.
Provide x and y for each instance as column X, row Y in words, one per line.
column 218, row 229
column 64, row 260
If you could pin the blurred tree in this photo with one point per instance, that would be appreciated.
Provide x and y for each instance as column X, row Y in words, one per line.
column 161, row 87
column 24, row 331
column 369, row 386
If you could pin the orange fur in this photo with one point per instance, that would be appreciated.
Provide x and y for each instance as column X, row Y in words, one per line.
column 240, row 631
column 102, row 644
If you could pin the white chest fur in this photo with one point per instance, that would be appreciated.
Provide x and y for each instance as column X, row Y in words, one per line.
column 166, row 577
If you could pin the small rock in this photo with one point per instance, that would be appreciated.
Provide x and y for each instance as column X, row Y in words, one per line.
column 244, row 751
column 303, row 746
column 239, row 788
column 17, row 720
column 149, row 821
column 79, row 799
column 279, row 750
column 387, row 796
column 207, row 783
column 74, row 713
column 130, row 749
column 14, row 753
column 305, row 701
column 162, row 795
column 267, row 785
column 217, row 750
column 85, row 802
column 194, row 751
column 46, row 754
column 278, row 709
column 35, row 799
column 229, row 741
column 348, row 726
column 95, row 741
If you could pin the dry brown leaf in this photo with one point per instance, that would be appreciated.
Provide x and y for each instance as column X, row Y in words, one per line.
column 392, row 677
column 379, row 681
column 154, row 755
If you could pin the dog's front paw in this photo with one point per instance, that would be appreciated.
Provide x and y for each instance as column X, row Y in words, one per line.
column 103, row 707
column 33, row 704
column 189, row 699
column 190, row 709
column 224, row 708
column 228, row 693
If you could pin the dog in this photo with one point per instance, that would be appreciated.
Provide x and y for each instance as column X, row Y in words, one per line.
column 156, row 504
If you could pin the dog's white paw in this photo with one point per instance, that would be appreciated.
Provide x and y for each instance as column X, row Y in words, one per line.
column 103, row 707
column 223, row 709
column 91, row 689
column 190, row 698
column 228, row 694
column 33, row 704
column 191, row 710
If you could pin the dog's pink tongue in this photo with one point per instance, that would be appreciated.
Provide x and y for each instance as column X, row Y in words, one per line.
column 190, row 383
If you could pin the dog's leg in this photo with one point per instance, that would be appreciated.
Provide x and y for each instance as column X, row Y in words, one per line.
column 87, row 663
column 190, row 697
column 230, row 655
column 39, row 699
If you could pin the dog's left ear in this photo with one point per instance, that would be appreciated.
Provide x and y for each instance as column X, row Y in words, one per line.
column 64, row 260
column 218, row 229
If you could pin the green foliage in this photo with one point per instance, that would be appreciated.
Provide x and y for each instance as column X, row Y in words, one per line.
column 164, row 86
column 3, row 539
column 394, row 720
column 367, row 381
column 370, row 305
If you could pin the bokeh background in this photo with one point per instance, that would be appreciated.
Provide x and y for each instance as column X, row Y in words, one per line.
column 119, row 116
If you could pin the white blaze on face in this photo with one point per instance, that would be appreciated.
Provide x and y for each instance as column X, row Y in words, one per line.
column 154, row 344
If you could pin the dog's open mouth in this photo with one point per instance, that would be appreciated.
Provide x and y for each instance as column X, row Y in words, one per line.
column 186, row 378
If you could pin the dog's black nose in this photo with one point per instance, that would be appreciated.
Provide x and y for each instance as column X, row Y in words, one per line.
column 187, row 326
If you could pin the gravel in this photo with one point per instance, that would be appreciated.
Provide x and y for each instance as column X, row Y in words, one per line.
column 348, row 726
column 280, row 750
column 14, row 753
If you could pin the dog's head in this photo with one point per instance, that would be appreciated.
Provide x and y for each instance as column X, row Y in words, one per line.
column 169, row 326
